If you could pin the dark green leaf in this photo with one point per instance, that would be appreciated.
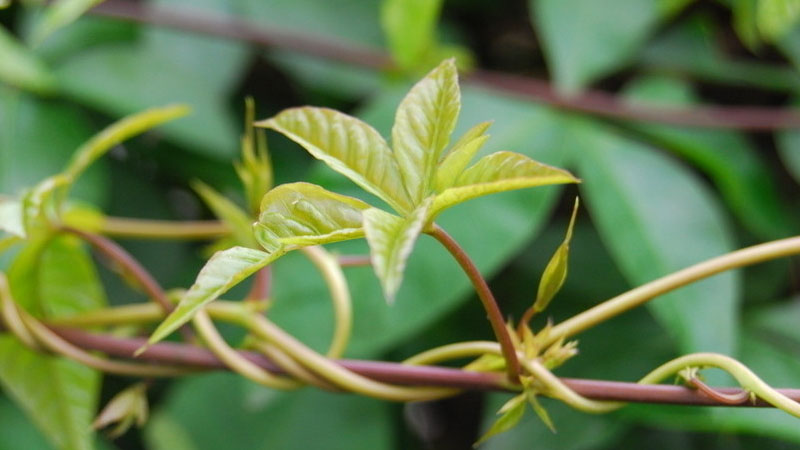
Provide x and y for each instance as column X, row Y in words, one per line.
column 644, row 205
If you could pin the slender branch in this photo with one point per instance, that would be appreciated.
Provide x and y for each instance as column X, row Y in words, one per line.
column 354, row 260
column 635, row 297
column 486, row 297
column 200, row 358
column 129, row 264
column 592, row 102
column 162, row 229
column 262, row 284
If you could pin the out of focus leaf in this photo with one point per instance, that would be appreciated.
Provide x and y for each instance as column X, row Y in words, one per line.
column 644, row 204
column 410, row 28
column 422, row 127
column 11, row 217
column 20, row 67
column 728, row 158
column 306, row 214
column 60, row 14
column 585, row 39
column 223, row 271
column 229, row 213
column 349, row 146
column 59, row 395
column 776, row 17
column 255, row 168
column 789, row 150
column 391, row 239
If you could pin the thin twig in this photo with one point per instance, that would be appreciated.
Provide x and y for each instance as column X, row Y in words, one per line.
column 591, row 101
column 486, row 297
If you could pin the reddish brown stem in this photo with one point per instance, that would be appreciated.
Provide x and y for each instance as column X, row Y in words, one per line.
column 260, row 289
column 177, row 353
column 591, row 101
column 130, row 265
column 353, row 260
column 486, row 297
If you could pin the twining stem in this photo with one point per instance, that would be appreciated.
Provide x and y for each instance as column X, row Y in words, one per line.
column 162, row 229
column 635, row 297
column 235, row 361
column 340, row 297
column 322, row 366
column 486, row 297
column 130, row 265
column 722, row 397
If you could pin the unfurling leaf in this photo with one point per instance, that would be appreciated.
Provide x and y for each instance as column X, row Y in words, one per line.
column 223, row 271
column 255, row 168
column 510, row 414
column 556, row 271
column 391, row 239
column 125, row 409
column 229, row 213
column 459, row 157
column 349, row 146
column 422, row 126
column 306, row 214
column 499, row 172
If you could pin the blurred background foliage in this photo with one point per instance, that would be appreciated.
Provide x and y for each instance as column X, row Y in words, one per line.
column 658, row 197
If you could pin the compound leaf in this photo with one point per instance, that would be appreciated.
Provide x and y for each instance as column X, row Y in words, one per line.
column 306, row 214
column 391, row 239
column 422, row 127
column 498, row 172
column 349, row 146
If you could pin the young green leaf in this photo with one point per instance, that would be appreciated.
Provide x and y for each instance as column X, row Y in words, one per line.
column 410, row 28
column 61, row 13
column 120, row 131
column 775, row 18
column 20, row 67
column 223, row 271
column 306, row 214
column 230, row 213
column 391, row 239
column 422, row 126
column 126, row 408
column 349, row 146
column 510, row 415
column 539, row 410
column 255, row 168
column 11, row 217
column 498, row 172
column 459, row 157
column 556, row 271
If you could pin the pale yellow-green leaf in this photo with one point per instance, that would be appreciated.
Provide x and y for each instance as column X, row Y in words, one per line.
column 459, row 157
column 59, row 14
column 410, row 29
column 540, row 411
column 510, row 414
column 499, row 172
column 20, row 67
column 11, row 217
column 422, row 126
column 223, row 271
column 556, row 270
column 349, row 146
column 229, row 213
column 391, row 239
column 119, row 131
column 306, row 214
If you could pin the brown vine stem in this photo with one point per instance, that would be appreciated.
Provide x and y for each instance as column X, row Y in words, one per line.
column 591, row 101
column 130, row 265
column 200, row 358
column 486, row 297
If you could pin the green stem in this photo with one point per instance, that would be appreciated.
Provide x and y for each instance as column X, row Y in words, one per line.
column 453, row 351
column 162, row 229
column 332, row 273
column 233, row 359
column 486, row 297
column 322, row 366
column 646, row 292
